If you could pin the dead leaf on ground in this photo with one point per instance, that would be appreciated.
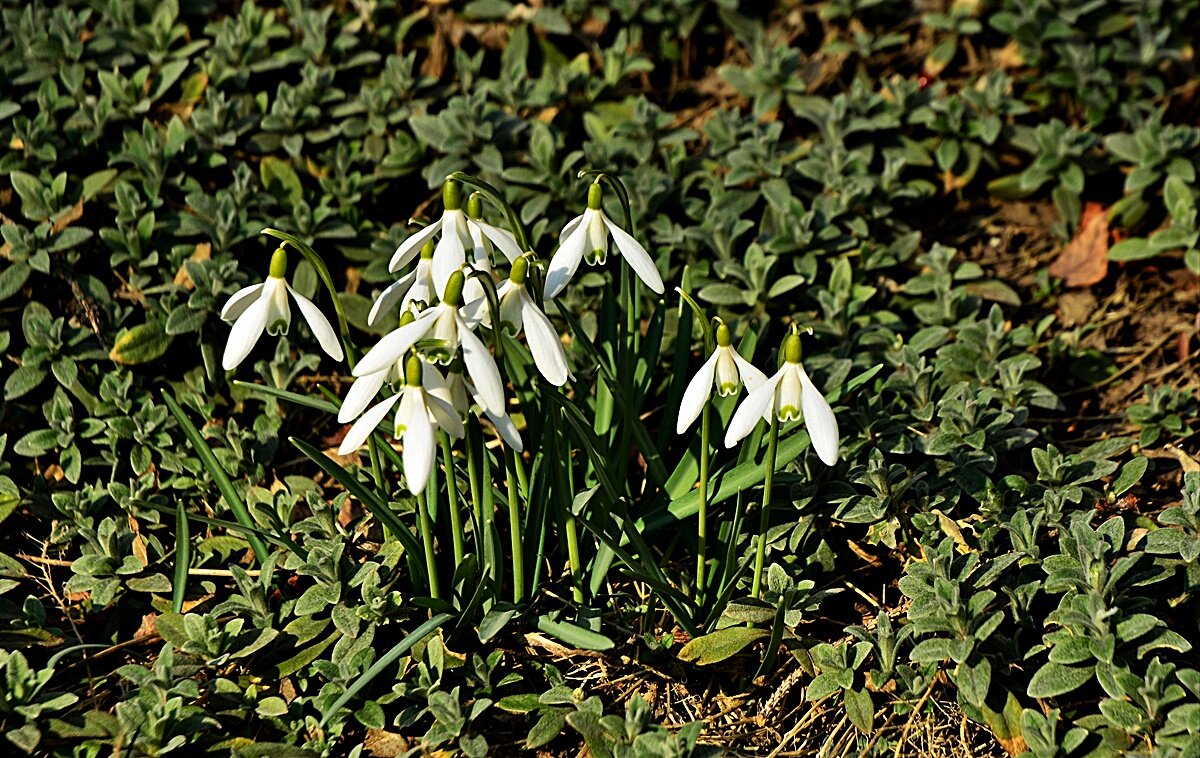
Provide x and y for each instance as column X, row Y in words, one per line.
column 68, row 217
column 148, row 627
column 1084, row 261
column 202, row 252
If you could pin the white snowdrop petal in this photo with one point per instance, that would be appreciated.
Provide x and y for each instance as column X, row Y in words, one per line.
column 482, row 369
column 395, row 344
column 356, row 437
column 419, row 444
column 240, row 301
column 637, row 257
column 359, row 396
column 789, row 394
column 321, row 328
column 410, row 247
column 503, row 239
column 448, row 257
column 445, row 416
column 751, row 376
column 507, row 430
column 751, row 410
column 822, row 424
column 389, row 300
column 476, row 312
column 544, row 343
column 566, row 260
column 570, row 227
column 698, row 391
column 245, row 333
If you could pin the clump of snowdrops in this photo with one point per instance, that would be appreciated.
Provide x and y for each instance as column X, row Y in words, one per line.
column 477, row 418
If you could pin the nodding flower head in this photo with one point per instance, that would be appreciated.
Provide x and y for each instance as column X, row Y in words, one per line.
column 788, row 396
column 587, row 236
column 264, row 307
column 725, row 370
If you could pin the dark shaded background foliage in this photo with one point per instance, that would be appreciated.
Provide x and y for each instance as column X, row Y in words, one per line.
column 815, row 162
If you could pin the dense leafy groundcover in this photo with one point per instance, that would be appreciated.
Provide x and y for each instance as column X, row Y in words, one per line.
column 1013, row 527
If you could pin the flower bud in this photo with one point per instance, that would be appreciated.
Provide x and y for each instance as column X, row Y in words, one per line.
column 724, row 338
column 453, row 295
column 475, row 206
column 278, row 268
column 452, row 195
column 520, row 270
column 791, row 348
column 413, row 370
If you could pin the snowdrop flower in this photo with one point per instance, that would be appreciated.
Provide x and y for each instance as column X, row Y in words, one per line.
column 451, row 251
column 788, row 395
column 418, row 414
column 518, row 310
column 265, row 306
column 450, row 325
column 416, row 287
column 726, row 370
column 588, row 235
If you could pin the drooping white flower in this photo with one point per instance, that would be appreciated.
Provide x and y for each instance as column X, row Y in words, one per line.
column 726, row 370
column 265, row 306
column 418, row 414
column 415, row 287
column 456, row 238
column 587, row 235
column 519, row 311
column 788, row 395
column 450, row 325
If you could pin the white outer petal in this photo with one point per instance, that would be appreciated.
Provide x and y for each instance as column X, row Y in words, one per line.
column 822, row 424
column 566, row 260
column 507, row 430
column 419, row 445
column 570, row 226
column 390, row 298
column 240, row 301
column 357, row 436
column 359, row 396
column 448, row 257
column 751, row 376
column 445, row 416
column 751, row 410
column 410, row 247
column 636, row 256
column 501, row 238
column 482, row 369
column 321, row 328
column 544, row 342
column 698, row 391
column 395, row 344
column 245, row 333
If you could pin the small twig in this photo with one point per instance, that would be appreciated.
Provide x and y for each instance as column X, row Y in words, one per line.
column 43, row 561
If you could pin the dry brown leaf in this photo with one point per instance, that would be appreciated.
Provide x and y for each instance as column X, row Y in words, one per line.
column 148, row 627
column 67, row 218
column 1084, row 261
column 202, row 252
column 384, row 744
